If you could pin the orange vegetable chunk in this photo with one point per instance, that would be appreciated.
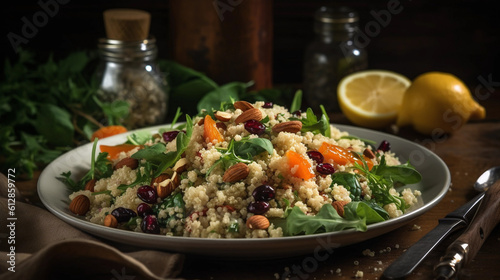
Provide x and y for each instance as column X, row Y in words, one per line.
column 336, row 154
column 210, row 131
column 299, row 166
column 342, row 156
column 114, row 151
column 107, row 131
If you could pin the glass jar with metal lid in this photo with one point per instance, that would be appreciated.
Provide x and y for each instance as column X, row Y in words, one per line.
column 128, row 71
column 331, row 56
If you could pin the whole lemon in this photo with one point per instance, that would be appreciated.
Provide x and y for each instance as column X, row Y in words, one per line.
column 437, row 101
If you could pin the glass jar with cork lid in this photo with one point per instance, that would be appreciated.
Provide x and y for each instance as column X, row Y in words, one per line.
column 332, row 55
column 128, row 70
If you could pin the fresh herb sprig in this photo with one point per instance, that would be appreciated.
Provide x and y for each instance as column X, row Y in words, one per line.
column 242, row 151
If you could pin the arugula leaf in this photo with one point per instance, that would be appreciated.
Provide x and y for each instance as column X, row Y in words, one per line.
column 361, row 210
column 404, row 173
column 377, row 208
column 311, row 123
column 242, row 151
column 326, row 220
column 296, row 102
column 325, row 119
column 139, row 137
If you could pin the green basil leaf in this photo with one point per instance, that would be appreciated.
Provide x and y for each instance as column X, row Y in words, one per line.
column 404, row 173
column 377, row 208
column 251, row 147
column 359, row 210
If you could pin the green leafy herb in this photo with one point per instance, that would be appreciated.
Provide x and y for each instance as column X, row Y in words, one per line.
column 296, row 102
column 224, row 94
column 234, row 227
column 326, row 220
column 325, row 119
column 350, row 182
column 156, row 155
column 173, row 201
column 382, row 178
column 242, row 151
column 311, row 123
column 362, row 210
column 139, row 137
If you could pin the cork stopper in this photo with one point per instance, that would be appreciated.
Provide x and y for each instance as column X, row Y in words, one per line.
column 127, row 24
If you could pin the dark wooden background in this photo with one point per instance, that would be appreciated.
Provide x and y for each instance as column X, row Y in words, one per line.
column 457, row 36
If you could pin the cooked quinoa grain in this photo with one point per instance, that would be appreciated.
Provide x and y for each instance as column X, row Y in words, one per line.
column 201, row 204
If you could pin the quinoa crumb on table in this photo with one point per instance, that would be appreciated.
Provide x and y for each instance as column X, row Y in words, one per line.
column 253, row 160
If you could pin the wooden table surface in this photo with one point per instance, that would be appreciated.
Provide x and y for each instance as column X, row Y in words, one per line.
column 467, row 152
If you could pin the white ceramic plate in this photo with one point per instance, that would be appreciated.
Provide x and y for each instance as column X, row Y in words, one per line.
column 434, row 185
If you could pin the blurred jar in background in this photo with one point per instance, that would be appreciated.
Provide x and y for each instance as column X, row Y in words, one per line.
column 226, row 40
column 331, row 56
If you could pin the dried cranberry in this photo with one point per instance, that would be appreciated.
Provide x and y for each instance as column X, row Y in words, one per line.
column 325, row 168
column 316, row 156
column 144, row 209
column 297, row 113
column 268, row 105
column 123, row 214
column 150, row 224
column 263, row 193
column 255, row 127
column 384, row 146
column 170, row 135
column 147, row 194
column 258, row 207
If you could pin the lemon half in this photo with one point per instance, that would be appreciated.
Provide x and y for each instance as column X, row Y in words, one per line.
column 372, row 98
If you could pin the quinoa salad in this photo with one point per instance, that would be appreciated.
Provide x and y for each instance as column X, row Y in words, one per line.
column 247, row 170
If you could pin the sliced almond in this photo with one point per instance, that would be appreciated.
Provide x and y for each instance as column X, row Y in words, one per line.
column 338, row 205
column 165, row 188
column 110, row 221
column 223, row 116
column 80, row 205
column 289, row 126
column 236, row 172
column 369, row 154
column 242, row 105
column 181, row 165
column 176, row 179
column 257, row 222
column 250, row 114
column 157, row 180
column 132, row 163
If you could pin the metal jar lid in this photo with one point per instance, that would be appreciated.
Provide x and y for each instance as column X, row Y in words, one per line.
column 127, row 51
column 328, row 19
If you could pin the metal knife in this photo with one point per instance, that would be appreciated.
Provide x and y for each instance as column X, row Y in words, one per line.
column 458, row 219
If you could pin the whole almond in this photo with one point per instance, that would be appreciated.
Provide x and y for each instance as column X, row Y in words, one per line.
column 257, row 222
column 223, row 116
column 338, row 205
column 80, row 205
column 110, row 221
column 89, row 186
column 242, row 105
column 132, row 163
column 289, row 126
column 181, row 165
column 250, row 114
column 236, row 172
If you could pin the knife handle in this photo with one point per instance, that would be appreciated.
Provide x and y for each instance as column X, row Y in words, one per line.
column 466, row 246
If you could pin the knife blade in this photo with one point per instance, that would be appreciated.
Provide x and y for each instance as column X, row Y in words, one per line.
column 456, row 220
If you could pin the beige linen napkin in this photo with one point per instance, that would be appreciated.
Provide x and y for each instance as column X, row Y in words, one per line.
column 48, row 248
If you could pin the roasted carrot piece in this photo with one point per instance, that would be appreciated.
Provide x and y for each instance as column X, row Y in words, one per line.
column 336, row 154
column 299, row 166
column 210, row 131
column 114, row 151
column 341, row 155
column 107, row 131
